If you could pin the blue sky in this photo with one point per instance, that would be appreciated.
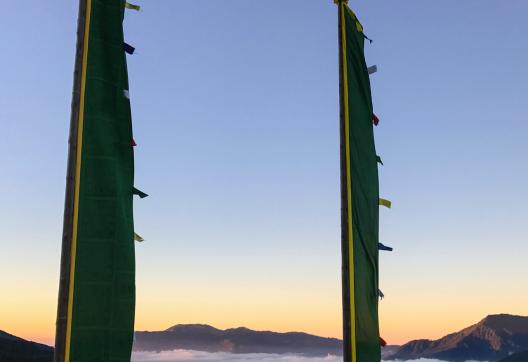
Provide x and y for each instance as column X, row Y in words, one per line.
column 235, row 110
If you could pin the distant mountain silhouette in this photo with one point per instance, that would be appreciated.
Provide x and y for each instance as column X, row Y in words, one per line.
column 202, row 337
column 502, row 338
column 14, row 349
column 516, row 357
column 388, row 350
column 491, row 339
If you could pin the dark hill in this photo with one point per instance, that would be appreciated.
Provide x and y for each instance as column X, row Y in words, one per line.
column 516, row 357
column 491, row 339
column 14, row 349
column 236, row 340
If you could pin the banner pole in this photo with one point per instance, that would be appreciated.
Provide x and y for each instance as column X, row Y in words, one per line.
column 67, row 232
column 345, row 263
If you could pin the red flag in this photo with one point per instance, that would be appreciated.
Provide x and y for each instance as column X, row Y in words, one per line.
column 133, row 143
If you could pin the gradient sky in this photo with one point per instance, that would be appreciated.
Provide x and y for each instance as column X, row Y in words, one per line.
column 235, row 110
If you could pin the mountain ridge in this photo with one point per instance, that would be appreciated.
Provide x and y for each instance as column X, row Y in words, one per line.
column 492, row 338
column 16, row 349
column 516, row 357
column 203, row 337
column 499, row 337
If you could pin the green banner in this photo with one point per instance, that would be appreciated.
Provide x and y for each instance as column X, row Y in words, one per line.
column 361, row 204
column 99, row 294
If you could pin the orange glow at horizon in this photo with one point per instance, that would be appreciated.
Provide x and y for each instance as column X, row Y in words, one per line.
column 37, row 324
column 281, row 302
column 403, row 317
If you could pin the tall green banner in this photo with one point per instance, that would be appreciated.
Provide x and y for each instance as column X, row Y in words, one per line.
column 95, row 319
column 360, row 197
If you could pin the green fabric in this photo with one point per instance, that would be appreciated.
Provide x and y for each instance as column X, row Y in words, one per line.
column 363, row 170
column 104, row 280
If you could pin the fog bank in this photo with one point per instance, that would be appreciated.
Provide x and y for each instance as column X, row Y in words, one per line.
column 197, row 356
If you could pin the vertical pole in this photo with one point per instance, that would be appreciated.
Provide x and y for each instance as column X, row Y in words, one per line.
column 67, row 232
column 345, row 263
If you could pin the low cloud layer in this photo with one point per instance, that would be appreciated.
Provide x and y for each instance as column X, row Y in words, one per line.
column 196, row 356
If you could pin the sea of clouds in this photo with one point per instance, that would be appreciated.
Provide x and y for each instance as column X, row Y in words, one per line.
column 196, row 356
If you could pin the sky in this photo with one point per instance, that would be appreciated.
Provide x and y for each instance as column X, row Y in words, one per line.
column 235, row 111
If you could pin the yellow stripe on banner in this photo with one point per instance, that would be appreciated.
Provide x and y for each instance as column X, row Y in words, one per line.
column 349, row 189
column 386, row 203
column 132, row 6
column 359, row 27
column 77, row 180
column 138, row 238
